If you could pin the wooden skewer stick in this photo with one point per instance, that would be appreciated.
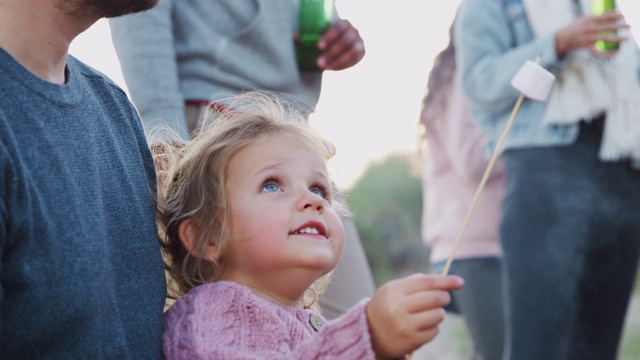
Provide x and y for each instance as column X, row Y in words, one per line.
column 522, row 81
column 485, row 177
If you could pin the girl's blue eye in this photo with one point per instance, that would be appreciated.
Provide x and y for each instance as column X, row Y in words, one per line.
column 320, row 190
column 270, row 187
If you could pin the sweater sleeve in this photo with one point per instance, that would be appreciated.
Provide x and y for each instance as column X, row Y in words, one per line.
column 4, row 179
column 346, row 337
column 144, row 43
column 484, row 36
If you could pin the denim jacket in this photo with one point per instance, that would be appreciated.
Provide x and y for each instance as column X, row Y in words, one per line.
column 493, row 40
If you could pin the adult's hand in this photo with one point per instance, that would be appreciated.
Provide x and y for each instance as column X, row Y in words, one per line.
column 584, row 31
column 341, row 47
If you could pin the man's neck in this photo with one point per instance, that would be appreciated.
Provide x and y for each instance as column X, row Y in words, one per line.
column 37, row 35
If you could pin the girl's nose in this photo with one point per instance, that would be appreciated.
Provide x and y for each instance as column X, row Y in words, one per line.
column 311, row 200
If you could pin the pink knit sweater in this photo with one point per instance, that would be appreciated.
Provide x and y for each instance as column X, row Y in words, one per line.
column 225, row 320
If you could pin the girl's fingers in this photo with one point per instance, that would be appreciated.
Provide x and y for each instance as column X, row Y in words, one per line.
column 422, row 282
column 422, row 301
column 428, row 319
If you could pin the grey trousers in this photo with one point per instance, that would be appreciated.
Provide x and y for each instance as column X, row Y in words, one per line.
column 571, row 238
column 480, row 302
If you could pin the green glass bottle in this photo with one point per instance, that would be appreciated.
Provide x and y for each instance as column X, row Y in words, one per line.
column 315, row 18
column 599, row 7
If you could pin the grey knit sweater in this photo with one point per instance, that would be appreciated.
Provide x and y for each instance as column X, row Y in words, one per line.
column 199, row 49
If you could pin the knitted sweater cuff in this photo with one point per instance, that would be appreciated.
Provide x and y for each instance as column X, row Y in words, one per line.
column 346, row 337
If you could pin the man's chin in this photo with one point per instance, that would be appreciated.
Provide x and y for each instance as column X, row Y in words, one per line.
column 115, row 8
column 105, row 8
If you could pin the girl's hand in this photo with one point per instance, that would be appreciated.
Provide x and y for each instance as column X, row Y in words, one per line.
column 404, row 314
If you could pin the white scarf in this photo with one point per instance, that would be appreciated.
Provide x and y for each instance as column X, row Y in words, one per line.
column 589, row 85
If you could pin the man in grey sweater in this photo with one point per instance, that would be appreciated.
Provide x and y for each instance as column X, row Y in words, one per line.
column 178, row 56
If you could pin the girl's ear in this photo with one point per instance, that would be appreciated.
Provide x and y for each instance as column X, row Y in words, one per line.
column 189, row 232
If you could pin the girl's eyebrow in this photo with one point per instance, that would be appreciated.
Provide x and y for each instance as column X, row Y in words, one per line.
column 268, row 168
column 322, row 174
column 277, row 165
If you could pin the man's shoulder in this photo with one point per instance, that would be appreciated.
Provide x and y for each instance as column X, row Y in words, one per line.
column 91, row 74
column 106, row 91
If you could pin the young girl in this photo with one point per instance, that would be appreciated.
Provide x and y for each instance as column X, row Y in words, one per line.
column 250, row 226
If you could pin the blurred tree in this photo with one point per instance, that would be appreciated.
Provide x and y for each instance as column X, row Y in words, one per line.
column 387, row 205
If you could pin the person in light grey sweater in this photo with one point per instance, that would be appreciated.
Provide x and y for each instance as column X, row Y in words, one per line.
column 183, row 53
column 179, row 56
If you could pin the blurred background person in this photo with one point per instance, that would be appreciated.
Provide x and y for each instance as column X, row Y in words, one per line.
column 455, row 164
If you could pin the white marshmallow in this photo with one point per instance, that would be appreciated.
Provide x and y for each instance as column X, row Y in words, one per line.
column 533, row 81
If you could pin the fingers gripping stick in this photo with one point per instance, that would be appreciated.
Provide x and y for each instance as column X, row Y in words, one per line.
column 533, row 82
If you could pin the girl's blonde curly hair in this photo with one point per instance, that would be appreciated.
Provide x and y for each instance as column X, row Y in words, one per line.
column 191, row 180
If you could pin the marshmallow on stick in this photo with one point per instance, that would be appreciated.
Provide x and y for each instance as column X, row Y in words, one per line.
column 534, row 82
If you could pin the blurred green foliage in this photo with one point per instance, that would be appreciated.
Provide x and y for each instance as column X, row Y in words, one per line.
column 387, row 206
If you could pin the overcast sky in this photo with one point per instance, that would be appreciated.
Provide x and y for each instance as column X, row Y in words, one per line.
column 372, row 109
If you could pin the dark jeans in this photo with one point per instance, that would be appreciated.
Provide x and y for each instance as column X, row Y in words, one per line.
column 480, row 303
column 571, row 238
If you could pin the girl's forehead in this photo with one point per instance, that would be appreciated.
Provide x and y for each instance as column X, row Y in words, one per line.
column 280, row 147
column 292, row 139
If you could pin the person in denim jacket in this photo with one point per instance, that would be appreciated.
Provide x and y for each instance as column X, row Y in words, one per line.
column 569, row 229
